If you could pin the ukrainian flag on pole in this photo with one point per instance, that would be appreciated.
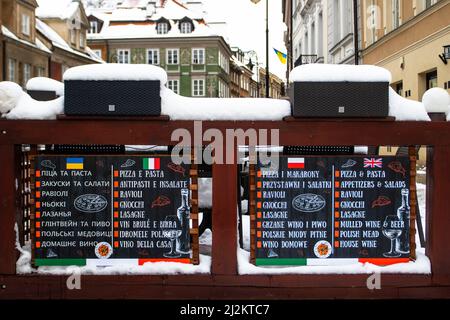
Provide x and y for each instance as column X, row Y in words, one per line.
column 282, row 56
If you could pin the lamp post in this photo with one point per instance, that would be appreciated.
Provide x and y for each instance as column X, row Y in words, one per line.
column 250, row 65
column 267, row 47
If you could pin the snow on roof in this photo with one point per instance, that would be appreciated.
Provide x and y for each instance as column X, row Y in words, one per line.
column 339, row 72
column 38, row 44
column 116, row 71
column 140, row 31
column 133, row 14
column 240, row 64
column 175, row 10
column 59, row 42
column 45, row 84
column 60, row 9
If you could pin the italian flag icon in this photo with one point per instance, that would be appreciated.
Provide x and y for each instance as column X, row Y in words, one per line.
column 151, row 163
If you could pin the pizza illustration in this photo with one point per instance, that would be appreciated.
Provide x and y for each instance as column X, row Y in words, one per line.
column 90, row 203
column 308, row 202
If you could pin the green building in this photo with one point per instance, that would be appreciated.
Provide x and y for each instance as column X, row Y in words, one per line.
column 168, row 34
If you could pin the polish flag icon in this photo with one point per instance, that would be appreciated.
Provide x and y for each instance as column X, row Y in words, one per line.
column 296, row 163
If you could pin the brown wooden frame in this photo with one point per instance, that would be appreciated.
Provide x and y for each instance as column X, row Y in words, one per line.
column 193, row 186
column 224, row 281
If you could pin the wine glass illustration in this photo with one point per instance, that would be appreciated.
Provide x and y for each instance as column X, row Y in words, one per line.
column 392, row 230
column 172, row 230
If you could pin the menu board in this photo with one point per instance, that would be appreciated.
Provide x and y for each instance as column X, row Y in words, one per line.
column 110, row 208
column 327, row 210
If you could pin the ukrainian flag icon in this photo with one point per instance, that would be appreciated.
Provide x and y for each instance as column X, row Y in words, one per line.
column 74, row 164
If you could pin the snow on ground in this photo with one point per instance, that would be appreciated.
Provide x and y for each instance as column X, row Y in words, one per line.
column 28, row 108
column 205, row 192
column 45, row 84
column 339, row 73
column 184, row 108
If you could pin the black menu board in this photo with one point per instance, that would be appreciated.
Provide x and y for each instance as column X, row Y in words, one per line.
column 327, row 210
column 110, row 208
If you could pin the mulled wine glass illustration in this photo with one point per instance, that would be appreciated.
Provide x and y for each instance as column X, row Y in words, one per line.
column 392, row 230
column 172, row 229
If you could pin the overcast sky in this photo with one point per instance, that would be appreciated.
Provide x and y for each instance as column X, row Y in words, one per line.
column 246, row 27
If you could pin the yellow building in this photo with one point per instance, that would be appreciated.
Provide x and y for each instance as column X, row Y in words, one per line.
column 407, row 38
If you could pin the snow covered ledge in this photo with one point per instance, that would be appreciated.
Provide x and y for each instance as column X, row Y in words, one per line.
column 421, row 266
column 185, row 108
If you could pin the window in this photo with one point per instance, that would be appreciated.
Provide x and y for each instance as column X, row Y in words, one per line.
column 26, row 24
column 153, row 56
column 11, row 70
column 172, row 56
column 73, row 36
column 186, row 27
column 395, row 14
column 98, row 52
column 40, row 71
column 93, row 27
column 162, row 28
column 224, row 62
column 174, row 85
column 81, row 40
column 26, row 73
column 198, row 88
column 431, row 78
column 399, row 88
column 198, row 56
column 123, row 56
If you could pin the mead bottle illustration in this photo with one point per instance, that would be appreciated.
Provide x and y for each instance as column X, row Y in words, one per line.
column 183, row 213
column 403, row 214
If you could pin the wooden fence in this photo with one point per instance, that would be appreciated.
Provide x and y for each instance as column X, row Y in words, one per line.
column 224, row 281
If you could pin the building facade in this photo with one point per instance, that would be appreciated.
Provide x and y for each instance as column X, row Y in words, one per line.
column 320, row 31
column 277, row 89
column 167, row 34
column 407, row 38
column 240, row 76
column 62, row 26
column 23, row 55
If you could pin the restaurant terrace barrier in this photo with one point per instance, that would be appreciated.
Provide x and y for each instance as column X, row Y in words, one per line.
column 224, row 282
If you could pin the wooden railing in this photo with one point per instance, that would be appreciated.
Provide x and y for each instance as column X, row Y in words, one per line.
column 224, row 281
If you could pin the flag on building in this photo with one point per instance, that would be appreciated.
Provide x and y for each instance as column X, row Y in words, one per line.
column 74, row 164
column 296, row 163
column 282, row 56
column 151, row 163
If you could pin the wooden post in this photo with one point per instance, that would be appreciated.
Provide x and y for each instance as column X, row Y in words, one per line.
column 7, row 209
column 252, row 211
column 194, row 212
column 438, row 215
column 412, row 202
column 224, row 222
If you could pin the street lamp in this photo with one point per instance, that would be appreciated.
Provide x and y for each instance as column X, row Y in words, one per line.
column 267, row 47
column 251, row 65
column 446, row 55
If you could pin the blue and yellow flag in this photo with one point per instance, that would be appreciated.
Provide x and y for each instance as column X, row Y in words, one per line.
column 74, row 164
column 282, row 56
